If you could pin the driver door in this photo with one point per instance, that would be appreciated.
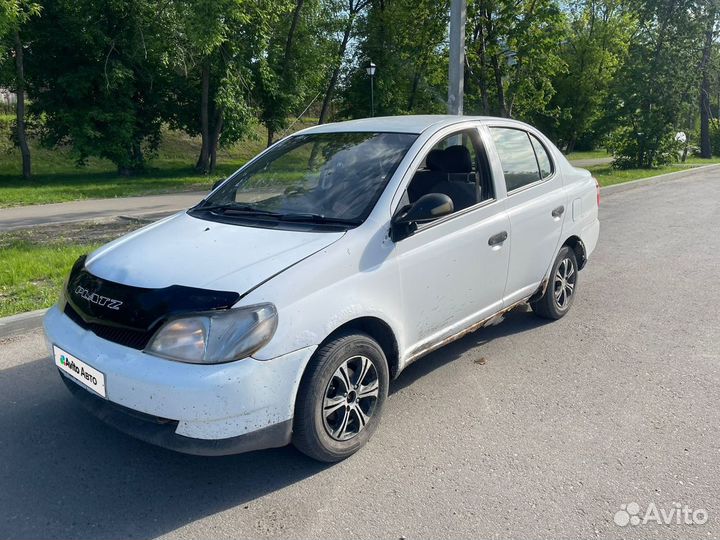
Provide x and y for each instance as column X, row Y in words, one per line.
column 453, row 270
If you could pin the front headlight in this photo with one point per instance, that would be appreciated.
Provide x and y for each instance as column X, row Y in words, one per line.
column 214, row 337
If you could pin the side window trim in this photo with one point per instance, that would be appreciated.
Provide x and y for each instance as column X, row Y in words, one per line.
column 536, row 183
column 533, row 140
column 482, row 162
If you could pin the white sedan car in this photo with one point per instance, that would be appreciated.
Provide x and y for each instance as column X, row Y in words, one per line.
column 278, row 309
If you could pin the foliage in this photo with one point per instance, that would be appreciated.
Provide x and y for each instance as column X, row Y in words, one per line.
column 290, row 75
column 92, row 78
column 656, row 81
column 103, row 77
column 513, row 54
column 208, row 79
column 406, row 41
column 715, row 137
column 625, row 144
column 15, row 13
column 595, row 48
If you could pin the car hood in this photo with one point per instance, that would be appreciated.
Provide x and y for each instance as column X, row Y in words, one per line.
column 184, row 250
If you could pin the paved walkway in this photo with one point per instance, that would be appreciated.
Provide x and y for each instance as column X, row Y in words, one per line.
column 591, row 162
column 68, row 212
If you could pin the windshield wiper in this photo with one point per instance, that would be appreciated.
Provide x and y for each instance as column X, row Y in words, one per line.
column 307, row 217
column 319, row 218
column 237, row 209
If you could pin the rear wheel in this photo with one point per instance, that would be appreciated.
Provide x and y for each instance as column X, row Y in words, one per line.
column 341, row 397
column 560, row 291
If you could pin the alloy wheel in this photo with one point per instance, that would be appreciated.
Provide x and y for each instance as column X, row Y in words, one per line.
column 350, row 398
column 564, row 283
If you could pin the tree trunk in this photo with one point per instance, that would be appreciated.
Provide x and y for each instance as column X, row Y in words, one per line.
column 20, row 90
column 203, row 163
column 502, row 107
column 414, row 87
column 571, row 144
column 291, row 36
column 705, row 142
column 286, row 80
column 336, row 72
column 218, row 120
column 483, row 72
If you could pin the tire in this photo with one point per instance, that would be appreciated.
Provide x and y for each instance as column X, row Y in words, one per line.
column 560, row 292
column 337, row 410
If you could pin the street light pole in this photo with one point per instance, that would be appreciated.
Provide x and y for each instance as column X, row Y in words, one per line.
column 371, row 71
column 456, row 71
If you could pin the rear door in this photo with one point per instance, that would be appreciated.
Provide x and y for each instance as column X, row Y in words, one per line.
column 536, row 207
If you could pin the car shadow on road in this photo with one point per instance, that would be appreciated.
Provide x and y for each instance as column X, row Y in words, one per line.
column 521, row 319
column 64, row 474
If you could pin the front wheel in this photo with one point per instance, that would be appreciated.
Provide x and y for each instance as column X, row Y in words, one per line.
column 341, row 397
column 560, row 291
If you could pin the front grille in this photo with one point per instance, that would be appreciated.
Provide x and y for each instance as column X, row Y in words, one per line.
column 135, row 339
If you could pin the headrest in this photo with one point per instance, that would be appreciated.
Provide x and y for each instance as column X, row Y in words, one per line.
column 456, row 159
column 434, row 160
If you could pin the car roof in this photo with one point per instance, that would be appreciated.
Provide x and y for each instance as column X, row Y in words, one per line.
column 397, row 124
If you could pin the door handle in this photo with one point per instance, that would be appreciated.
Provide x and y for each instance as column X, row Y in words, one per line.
column 559, row 211
column 498, row 238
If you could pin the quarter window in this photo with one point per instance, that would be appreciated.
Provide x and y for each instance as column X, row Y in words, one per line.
column 544, row 162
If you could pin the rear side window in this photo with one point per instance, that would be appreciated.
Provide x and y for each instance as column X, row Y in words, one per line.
column 517, row 156
column 546, row 168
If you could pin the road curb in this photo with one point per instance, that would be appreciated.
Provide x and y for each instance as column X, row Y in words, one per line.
column 21, row 323
column 624, row 186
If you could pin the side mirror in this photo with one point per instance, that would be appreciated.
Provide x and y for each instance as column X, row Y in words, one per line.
column 217, row 183
column 427, row 208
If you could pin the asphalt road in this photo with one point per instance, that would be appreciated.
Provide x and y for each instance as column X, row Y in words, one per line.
column 527, row 429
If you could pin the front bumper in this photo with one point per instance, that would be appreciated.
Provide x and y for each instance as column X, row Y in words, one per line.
column 161, row 431
column 199, row 409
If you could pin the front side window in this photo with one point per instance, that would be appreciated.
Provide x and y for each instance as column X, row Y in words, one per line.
column 453, row 167
column 519, row 163
column 328, row 177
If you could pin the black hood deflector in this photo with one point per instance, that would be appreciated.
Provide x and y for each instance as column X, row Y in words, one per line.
column 105, row 302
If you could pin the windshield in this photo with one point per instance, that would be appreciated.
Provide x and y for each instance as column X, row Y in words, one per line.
column 328, row 177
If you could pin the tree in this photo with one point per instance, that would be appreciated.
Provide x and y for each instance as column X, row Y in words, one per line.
column 513, row 56
column 656, row 82
column 407, row 40
column 14, row 14
column 93, row 77
column 595, row 48
column 290, row 76
column 706, row 149
column 354, row 8
column 212, row 44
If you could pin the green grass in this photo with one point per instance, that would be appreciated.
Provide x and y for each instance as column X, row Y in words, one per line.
column 607, row 176
column 35, row 262
column 594, row 154
column 57, row 178
column 31, row 276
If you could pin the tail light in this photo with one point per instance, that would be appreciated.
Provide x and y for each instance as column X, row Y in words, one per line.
column 597, row 190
